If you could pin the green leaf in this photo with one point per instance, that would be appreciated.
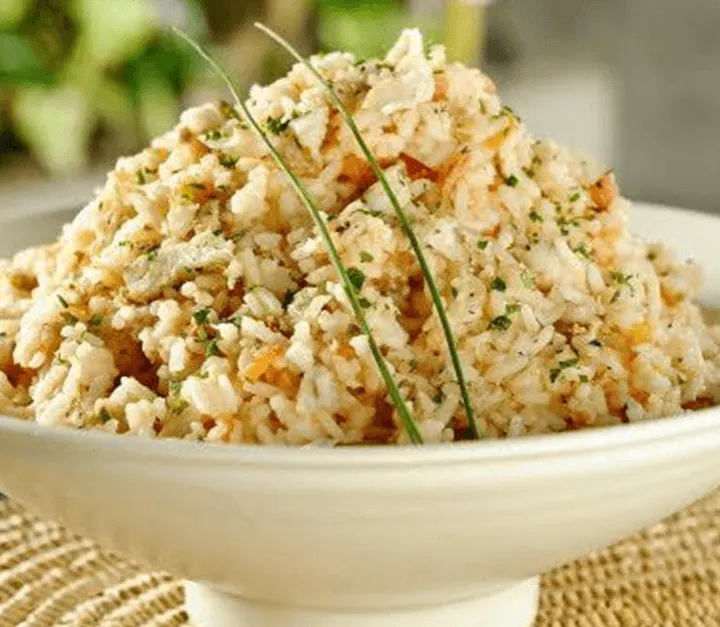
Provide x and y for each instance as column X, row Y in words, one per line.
column 19, row 63
column 158, row 108
column 113, row 32
column 12, row 13
column 367, row 30
column 56, row 124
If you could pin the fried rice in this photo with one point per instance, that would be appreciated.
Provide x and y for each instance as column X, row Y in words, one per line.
column 193, row 297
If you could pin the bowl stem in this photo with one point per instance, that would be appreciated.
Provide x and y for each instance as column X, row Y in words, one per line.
column 515, row 606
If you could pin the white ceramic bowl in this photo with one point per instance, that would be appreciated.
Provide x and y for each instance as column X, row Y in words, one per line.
column 438, row 536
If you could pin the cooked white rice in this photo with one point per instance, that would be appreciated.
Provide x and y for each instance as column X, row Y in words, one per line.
column 193, row 298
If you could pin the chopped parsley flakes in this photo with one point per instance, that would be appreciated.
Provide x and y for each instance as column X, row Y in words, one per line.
column 357, row 278
column 502, row 323
column 498, row 285
column 95, row 320
column 211, row 345
column 212, row 349
column 512, row 181
column 228, row 162
column 177, row 405
column 365, row 257
column 69, row 318
column 582, row 250
column 201, row 316
column 482, row 244
column 527, row 279
column 562, row 365
column 276, row 125
column 620, row 278
column 536, row 217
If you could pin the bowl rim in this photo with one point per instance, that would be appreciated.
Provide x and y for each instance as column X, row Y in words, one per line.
column 688, row 424
column 613, row 437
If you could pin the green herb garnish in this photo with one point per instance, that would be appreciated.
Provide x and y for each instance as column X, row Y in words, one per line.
column 482, row 244
column 596, row 343
column 575, row 197
column 276, row 125
column 402, row 218
column 201, row 316
column 95, row 320
column 364, row 303
column 512, row 181
column 104, row 416
column 228, row 162
column 69, row 318
column 63, row 302
column 357, row 278
column 536, row 217
column 513, row 308
column 527, row 279
column 620, row 278
column 365, row 257
column 562, row 365
column 498, row 285
column 582, row 250
column 395, row 395
column 177, row 405
column 212, row 349
column 501, row 323
column 213, row 135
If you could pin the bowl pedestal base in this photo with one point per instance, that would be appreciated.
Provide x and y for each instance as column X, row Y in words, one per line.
column 513, row 607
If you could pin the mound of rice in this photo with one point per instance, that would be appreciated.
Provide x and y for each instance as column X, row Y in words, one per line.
column 193, row 298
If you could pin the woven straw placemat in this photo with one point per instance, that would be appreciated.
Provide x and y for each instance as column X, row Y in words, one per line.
column 666, row 576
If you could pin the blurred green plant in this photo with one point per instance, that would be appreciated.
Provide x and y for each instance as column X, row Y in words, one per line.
column 71, row 70
column 368, row 27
